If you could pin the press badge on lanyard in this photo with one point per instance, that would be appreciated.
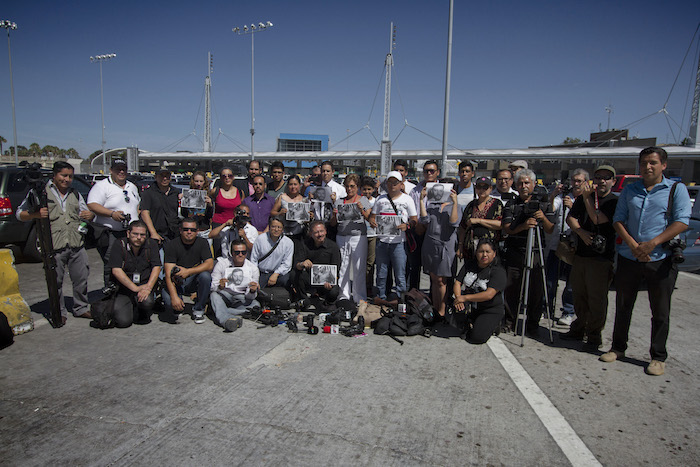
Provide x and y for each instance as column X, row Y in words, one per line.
column 137, row 278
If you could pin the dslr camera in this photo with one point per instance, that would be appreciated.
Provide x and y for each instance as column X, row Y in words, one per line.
column 241, row 219
column 676, row 245
column 174, row 278
column 126, row 221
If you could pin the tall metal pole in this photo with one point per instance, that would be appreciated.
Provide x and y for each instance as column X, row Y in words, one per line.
column 385, row 163
column 100, row 59
column 102, row 107
column 252, row 97
column 207, row 104
column 446, row 119
column 694, row 132
column 252, row 30
column 10, row 25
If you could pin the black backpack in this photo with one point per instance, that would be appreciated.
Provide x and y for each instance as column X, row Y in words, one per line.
column 417, row 303
column 394, row 324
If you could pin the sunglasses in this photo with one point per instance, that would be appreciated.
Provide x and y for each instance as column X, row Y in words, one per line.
column 239, row 252
column 189, row 229
column 227, row 176
column 126, row 196
column 430, row 171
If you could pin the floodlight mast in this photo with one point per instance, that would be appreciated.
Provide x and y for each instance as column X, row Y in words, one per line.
column 252, row 30
column 207, row 103
column 385, row 162
column 100, row 59
column 11, row 25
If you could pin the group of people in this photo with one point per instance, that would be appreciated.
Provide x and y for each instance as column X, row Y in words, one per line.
column 323, row 241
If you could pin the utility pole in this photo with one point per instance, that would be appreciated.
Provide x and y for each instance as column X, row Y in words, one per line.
column 385, row 165
column 694, row 132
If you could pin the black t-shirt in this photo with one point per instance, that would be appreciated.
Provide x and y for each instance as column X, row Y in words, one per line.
column 606, row 206
column 122, row 256
column 518, row 212
column 327, row 253
column 162, row 209
column 187, row 256
column 475, row 280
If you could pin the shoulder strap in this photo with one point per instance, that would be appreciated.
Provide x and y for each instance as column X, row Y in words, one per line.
column 260, row 260
column 392, row 204
column 669, row 210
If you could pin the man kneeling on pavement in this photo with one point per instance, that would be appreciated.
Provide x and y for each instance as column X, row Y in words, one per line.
column 135, row 265
column 188, row 265
column 234, row 286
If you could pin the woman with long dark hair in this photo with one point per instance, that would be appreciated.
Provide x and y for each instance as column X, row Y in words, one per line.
column 481, row 219
column 293, row 229
column 199, row 181
column 226, row 199
column 480, row 283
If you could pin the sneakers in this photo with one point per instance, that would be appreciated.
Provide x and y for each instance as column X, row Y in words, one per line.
column 655, row 368
column 566, row 320
column 234, row 323
column 198, row 319
column 611, row 356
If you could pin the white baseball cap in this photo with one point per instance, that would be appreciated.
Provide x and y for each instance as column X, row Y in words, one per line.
column 396, row 174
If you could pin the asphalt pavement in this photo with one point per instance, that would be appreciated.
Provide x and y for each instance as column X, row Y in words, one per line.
column 188, row 394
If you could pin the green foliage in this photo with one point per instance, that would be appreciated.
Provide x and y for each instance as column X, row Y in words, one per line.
column 570, row 140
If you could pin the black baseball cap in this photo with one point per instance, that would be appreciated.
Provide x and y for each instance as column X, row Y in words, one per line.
column 117, row 162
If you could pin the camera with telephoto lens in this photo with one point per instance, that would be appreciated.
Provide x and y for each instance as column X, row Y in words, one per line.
column 565, row 187
column 242, row 218
column 174, row 278
column 676, row 245
column 126, row 221
column 598, row 244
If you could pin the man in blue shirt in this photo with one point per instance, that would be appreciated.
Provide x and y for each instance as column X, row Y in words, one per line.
column 642, row 222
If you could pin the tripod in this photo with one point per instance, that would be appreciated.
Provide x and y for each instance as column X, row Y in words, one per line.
column 532, row 249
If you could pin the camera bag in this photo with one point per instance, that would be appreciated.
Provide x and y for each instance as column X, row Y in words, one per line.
column 275, row 297
column 418, row 303
column 102, row 311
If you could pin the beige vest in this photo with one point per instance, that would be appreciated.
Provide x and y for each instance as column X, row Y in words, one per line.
column 64, row 224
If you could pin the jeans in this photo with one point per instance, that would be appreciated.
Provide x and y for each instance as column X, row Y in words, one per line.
column 394, row 254
column 238, row 306
column 200, row 283
column 554, row 269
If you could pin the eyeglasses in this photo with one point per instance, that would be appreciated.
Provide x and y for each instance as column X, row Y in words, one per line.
column 239, row 252
column 126, row 196
column 603, row 177
column 189, row 229
column 226, row 175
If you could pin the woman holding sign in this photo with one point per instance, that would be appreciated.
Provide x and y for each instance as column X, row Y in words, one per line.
column 295, row 219
column 350, row 215
column 202, row 216
column 439, row 244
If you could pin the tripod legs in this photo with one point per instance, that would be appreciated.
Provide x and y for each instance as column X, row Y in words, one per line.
column 534, row 246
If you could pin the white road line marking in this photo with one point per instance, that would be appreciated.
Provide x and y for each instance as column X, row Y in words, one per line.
column 571, row 445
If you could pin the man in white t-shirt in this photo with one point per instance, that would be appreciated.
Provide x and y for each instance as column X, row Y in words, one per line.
column 391, row 248
column 115, row 201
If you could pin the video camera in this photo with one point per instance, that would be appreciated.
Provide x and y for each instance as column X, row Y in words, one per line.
column 539, row 201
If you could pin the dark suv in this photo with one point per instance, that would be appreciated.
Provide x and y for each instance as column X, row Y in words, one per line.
column 13, row 190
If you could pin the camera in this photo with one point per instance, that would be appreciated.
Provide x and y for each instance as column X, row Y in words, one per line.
column 565, row 187
column 109, row 289
column 539, row 201
column 126, row 221
column 598, row 244
column 241, row 219
column 174, row 277
column 676, row 245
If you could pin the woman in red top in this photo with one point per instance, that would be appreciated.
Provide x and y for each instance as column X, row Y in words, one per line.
column 226, row 199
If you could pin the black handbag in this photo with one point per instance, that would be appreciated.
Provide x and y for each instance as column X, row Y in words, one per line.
column 102, row 311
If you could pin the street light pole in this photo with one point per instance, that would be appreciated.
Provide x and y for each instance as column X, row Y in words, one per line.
column 252, row 30
column 7, row 24
column 100, row 59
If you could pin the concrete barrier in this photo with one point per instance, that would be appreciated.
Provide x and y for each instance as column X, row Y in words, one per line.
column 11, row 302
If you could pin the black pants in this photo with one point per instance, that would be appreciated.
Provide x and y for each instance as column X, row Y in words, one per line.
column 484, row 324
column 535, row 300
column 306, row 290
column 104, row 252
column 128, row 310
column 661, row 279
column 413, row 270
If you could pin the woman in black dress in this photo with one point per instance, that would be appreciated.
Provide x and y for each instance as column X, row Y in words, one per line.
column 480, row 282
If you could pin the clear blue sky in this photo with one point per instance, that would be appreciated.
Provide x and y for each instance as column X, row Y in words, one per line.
column 524, row 73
